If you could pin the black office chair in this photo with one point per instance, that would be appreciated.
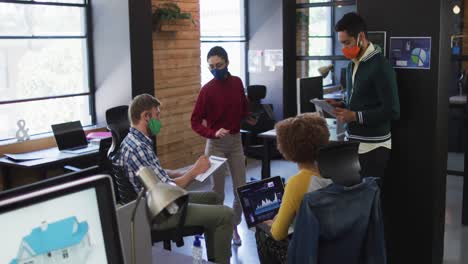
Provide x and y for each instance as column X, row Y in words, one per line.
column 253, row 147
column 126, row 194
column 339, row 161
column 125, row 191
column 105, row 165
column 117, row 115
column 118, row 124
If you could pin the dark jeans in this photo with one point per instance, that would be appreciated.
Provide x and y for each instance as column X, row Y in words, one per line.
column 373, row 163
column 271, row 251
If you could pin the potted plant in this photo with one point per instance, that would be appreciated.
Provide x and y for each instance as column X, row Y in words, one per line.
column 302, row 19
column 169, row 12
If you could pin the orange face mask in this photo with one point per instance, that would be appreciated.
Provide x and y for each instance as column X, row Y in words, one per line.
column 352, row 52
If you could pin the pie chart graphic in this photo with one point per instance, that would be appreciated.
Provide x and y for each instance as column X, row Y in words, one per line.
column 418, row 56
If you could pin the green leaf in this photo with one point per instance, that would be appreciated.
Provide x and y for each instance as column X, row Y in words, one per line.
column 169, row 12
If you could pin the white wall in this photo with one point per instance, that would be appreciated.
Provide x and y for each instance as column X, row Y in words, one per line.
column 266, row 32
column 111, row 55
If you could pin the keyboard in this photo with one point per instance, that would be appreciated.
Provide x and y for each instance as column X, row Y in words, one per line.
column 89, row 148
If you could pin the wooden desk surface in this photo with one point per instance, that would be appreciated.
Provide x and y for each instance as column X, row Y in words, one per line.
column 47, row 157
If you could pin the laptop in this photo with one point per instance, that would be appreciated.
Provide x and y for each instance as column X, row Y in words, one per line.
column 261, row 200
column 71, row 138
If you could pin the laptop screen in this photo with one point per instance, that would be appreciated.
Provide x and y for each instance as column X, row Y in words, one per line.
column 69, row 135
column 261, row 200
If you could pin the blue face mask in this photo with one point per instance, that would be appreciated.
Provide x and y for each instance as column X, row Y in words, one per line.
column 219, row 74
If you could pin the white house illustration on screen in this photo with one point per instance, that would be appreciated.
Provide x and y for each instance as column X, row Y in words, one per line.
column 65, row 241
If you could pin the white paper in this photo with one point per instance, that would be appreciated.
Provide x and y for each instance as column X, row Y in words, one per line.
column 273, row 59
column 324, row 106
column 215, row 164
column 255, row 61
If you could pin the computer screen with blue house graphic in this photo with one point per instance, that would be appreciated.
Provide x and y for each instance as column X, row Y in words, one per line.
column 66, row 229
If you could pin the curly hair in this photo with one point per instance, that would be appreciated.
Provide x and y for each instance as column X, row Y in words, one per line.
column 299, row 138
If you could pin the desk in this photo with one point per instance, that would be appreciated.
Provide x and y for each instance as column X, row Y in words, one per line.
column 52, row 157
column 270, row 136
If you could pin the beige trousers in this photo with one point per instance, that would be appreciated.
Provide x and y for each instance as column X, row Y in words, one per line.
column 229, row 147
column 205, row 209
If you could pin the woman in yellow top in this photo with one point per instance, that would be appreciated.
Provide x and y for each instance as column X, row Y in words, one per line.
column 299, row 139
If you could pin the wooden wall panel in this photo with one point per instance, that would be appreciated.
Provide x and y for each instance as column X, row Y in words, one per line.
column 178, row 91
column 177, row 63
column 177, row 82
column 176, row 57
column 177, row 54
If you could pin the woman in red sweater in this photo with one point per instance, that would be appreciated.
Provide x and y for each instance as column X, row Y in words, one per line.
column 223, row 105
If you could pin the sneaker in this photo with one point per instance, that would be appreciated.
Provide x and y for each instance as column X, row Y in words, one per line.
column 237, row 242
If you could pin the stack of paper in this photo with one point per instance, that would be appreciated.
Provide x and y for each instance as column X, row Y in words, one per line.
column 23, row 156
column 215, row 164
column 98, row 135
column 322, row 104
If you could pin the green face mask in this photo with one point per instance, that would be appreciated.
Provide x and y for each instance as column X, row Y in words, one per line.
column 154, row 126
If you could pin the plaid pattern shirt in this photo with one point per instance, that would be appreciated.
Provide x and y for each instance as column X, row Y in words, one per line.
column 136, row 152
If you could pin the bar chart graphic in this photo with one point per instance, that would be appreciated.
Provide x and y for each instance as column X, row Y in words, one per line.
column 267, row 205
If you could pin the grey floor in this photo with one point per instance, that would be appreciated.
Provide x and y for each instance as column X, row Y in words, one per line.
column 456, row 236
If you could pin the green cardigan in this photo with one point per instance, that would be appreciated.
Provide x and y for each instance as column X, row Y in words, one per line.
column 374, row 97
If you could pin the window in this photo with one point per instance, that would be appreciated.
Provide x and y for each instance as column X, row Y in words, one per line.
column 316, row 42
column 222, row 23
column 44, row 65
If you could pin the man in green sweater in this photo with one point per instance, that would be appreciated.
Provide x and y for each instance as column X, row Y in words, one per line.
column 371, row 101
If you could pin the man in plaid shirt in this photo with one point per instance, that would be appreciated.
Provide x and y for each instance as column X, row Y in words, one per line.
column 204, row 208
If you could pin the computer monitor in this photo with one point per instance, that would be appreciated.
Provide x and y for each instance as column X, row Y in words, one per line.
column 343, row 77
column 74, row 222
column 308, row 89
column 39, row 185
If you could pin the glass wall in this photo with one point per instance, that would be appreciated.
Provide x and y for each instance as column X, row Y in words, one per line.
column 222, row 23
column 316, row 40
column 44, row 77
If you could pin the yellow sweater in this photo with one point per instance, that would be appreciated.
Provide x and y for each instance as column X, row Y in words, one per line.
column 297, row 186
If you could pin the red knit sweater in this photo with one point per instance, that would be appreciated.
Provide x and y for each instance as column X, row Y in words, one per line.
column 222, row 103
